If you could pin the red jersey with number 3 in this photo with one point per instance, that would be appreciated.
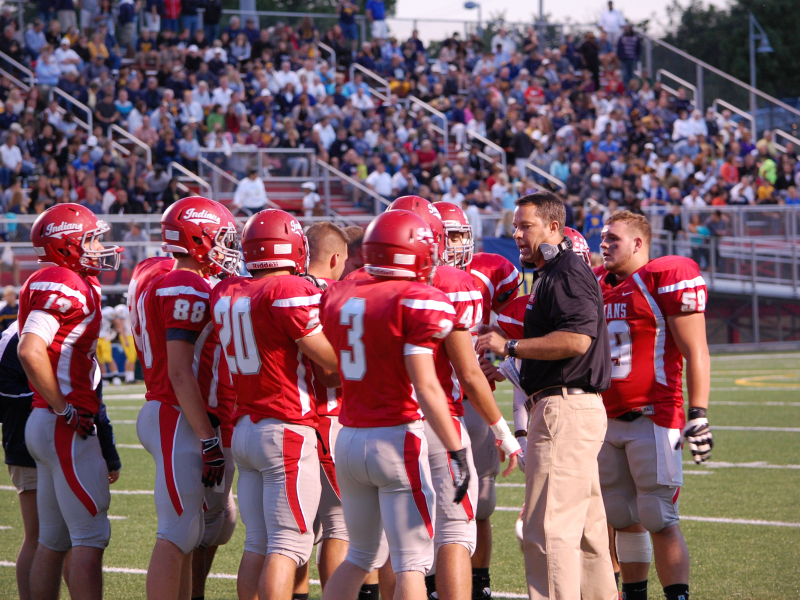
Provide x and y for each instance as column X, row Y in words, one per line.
column 494, row 275
column 74, row 303
column 647, row 366
column 258, row 323
column 373, row 324
column 461, row 290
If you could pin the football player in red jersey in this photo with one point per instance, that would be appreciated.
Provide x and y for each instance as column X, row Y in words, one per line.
column 654, row 311
column 382, row 467
column 59, row 322
column 269, row 329
column 498, row 281
column 172, row 322
column 456, row 367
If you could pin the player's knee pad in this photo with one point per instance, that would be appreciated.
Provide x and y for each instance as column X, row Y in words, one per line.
column 657, row 513
column 619, row 512
column 634, row 547
column 487, row 498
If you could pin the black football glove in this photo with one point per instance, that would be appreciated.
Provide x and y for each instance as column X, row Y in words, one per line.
column 460, row 470
column 697, row 434
column 213, row 462
column 80, row 419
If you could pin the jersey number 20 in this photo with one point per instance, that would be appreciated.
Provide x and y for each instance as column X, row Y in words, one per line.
column 237, row 326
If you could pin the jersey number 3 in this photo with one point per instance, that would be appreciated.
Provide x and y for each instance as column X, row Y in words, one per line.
column 353, row 363
column 619, row 334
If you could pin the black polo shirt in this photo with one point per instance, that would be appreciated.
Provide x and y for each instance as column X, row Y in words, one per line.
column 567, row 297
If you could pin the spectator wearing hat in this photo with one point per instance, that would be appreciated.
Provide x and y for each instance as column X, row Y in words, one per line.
column 68, row 60
column 311, row 200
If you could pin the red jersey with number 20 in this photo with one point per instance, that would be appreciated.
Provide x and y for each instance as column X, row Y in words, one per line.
column 461, row 290
column 373, row 324
column 258, row 323
column 647, row 364
column 74, row 303
column 494, row 275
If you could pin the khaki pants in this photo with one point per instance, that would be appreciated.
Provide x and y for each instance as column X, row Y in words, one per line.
column 565, row 535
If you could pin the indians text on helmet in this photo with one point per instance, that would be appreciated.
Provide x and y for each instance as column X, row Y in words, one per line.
column 202, row 216
column 58, row 231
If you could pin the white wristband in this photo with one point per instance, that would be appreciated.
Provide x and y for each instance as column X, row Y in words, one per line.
column 507, row 442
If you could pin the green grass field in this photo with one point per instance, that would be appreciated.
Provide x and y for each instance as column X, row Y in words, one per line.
column 742, row 510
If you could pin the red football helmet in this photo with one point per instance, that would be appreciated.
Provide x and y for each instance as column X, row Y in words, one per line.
column 203, row 229
column 399, row 245
column 455, row 221
column 579, row 244
column 65, row 235
column 429, row 214
column 272, row 239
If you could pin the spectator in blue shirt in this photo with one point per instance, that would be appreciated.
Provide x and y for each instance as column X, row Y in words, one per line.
column 35, row 39
column 376, row 14
column 609, row 145
column 792, row 197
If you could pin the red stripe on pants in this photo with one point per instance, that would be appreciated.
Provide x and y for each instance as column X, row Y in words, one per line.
column 292, row 451
column 64, row 435
column 412, row 448
column 326, row 460
column 168, row 417
column 466, row 502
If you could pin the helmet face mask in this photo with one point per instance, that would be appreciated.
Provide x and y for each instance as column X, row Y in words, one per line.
column 455, row 221
column 102, row 259
column 224, row 254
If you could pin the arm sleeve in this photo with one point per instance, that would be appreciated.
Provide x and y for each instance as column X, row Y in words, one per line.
column 297, row 309
column 680, row 289
column 183, row 299
column 105, row 435
column 573, row 304
column 428, row 318
column 520, row 412
column 42, row 324
column 468, row 306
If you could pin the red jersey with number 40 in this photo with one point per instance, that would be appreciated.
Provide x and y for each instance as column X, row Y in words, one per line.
column 494, row 275
column 461, row 290
column 258, row 323
column 647, row 366
column 373, row 324
column 74, row 303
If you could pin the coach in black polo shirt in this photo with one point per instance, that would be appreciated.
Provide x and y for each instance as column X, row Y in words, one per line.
column 566, row 363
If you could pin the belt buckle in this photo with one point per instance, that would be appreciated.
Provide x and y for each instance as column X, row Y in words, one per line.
column 644, row 410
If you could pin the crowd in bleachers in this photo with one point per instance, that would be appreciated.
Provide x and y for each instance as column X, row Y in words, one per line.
column 578, row 111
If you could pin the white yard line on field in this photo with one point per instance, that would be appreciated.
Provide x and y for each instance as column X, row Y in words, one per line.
column 117, row 397
column 712, row 464
column 112, row 408
column 701, row 519
column 131, row 446
column 124, row 422
column 754, row 357
column 737, row 403
column 740, row 428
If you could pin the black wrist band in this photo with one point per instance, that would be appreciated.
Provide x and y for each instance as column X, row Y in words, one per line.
column 697, row 413
column 520, row 433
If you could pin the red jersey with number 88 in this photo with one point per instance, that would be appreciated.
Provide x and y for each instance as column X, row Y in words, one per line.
column 647, row 366
column 258, row 323
column 373, row 324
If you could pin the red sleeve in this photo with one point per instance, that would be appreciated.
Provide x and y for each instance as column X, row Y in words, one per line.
column 511, row 319
column 183, row 298
column 63, row 297
column 296, row 307
column 428, row 317
column 505, row 278
column 679, row 288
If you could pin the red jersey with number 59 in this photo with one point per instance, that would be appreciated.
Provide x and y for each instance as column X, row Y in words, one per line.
column 258, row 322
column 494, row 275
column 647, row 364
column 171, row 306
column 70, row 305
column 461, row 290
column 373, row 324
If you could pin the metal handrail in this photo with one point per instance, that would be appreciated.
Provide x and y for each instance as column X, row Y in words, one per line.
column 222, row 172
column 330, row 51
column 783, row 134
column 425, row 106
column 129, row 136
column 20, row 66
column 546, row 175
column 683, row 82
column 186, row 172
column 25, row 87
column 81, row 105
column 375, row 195
column 485, row 141
column 721, row 73
column 732, row 108
column 355, row 66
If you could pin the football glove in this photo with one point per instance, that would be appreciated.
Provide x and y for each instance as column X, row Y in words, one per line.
column 80, row 419
column 213, row 462
column 697, row 434
column 460, row 471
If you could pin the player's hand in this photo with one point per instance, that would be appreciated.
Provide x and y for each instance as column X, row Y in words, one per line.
column 113, row 476
column 213, row 462
column 490, row 371
column 513, row 461
column 460, row 470
column 80, row 419
column 697, row 434
column 492, row 342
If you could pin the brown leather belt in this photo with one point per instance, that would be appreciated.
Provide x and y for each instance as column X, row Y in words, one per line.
column 557, row 390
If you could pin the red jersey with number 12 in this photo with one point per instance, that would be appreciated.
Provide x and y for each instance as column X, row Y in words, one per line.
column 647, row 364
